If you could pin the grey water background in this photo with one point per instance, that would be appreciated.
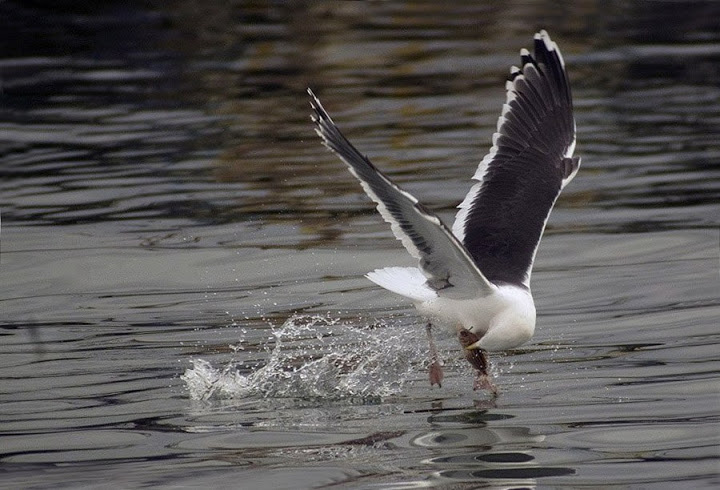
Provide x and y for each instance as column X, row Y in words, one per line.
column 181, row 294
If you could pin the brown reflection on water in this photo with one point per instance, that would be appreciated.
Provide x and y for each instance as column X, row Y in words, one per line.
column 422, row 97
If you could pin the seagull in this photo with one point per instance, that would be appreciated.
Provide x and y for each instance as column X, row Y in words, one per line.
column 474, row 278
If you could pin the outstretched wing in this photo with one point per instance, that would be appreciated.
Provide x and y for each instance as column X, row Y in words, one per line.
column 502, row 218
column 442, row 258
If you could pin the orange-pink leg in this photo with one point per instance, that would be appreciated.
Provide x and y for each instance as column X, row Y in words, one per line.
column 436, row 371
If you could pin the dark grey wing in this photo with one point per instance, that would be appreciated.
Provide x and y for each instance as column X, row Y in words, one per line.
column 442, row 258
column 502, row 218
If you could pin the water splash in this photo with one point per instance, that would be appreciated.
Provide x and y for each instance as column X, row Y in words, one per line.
column 317, row 357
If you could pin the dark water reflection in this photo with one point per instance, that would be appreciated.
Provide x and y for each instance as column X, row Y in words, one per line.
column 163, row 199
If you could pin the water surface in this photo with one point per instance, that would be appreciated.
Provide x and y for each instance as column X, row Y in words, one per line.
column 181, row 292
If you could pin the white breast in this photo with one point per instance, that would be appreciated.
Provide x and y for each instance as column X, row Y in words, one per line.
column 503, row 320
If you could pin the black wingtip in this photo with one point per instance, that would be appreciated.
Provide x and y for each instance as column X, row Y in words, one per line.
column 312, row 95
column 527, row 58
column 314, row 102
column 332, row 137
column 319, row 116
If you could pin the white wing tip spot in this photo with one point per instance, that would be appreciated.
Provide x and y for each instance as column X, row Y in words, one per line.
column 550, row 45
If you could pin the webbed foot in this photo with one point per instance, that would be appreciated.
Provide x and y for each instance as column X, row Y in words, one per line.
column 436, row 374
column 483, row 381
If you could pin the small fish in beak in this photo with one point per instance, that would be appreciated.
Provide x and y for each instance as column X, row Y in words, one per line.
column 477, row 359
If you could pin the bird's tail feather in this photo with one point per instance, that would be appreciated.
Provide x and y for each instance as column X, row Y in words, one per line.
column 405, row 281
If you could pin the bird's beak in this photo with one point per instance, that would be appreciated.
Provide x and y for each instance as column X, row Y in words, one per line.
column 474, row 346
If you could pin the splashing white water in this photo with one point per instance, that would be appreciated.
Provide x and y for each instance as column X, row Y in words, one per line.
column 317, row 357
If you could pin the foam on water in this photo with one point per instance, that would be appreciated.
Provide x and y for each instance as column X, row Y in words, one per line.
column 317, row 357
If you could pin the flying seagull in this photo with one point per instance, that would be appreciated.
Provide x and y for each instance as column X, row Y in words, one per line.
column 475, row 277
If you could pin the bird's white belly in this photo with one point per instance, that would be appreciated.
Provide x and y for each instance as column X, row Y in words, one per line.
column 503, row 320
column 472, row 314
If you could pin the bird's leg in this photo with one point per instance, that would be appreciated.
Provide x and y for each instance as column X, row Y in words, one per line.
column 484, row 379
column 479, row 360
column 436, row 372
